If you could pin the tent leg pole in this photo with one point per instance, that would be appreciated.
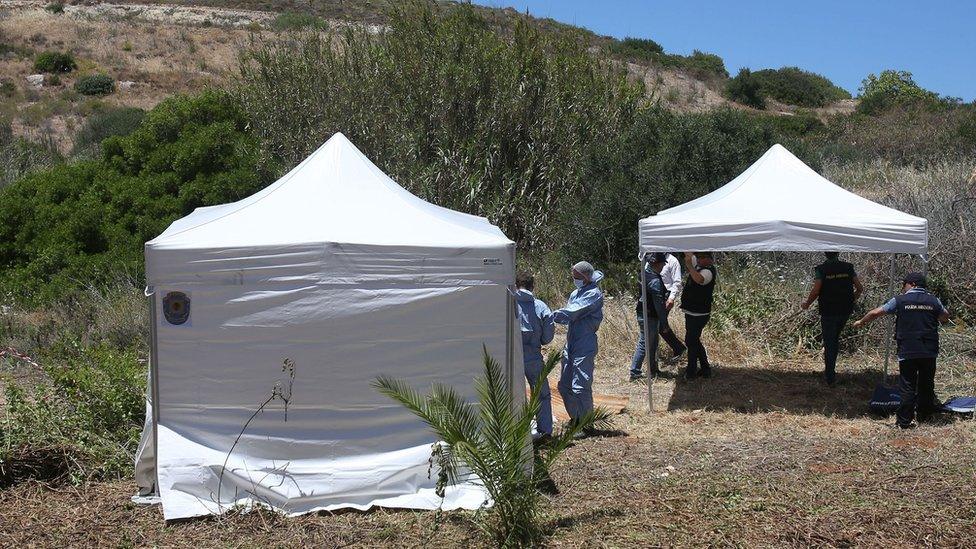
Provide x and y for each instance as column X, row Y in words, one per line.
column 154, row 387
column 647, row 338
column 509, row 350
column 888, row 324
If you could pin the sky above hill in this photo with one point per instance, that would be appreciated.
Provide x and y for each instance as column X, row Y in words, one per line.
column 842, row 40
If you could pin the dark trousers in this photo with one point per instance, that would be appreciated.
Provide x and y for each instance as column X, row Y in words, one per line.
column 831, row 326
column 671, row 338
column 697, row 357
column 917, row 384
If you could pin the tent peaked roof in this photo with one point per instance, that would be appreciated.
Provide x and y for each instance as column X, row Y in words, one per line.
column 336, row 195
column 781, row 204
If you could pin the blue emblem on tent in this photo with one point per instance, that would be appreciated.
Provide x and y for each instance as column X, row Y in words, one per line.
column 176, row 307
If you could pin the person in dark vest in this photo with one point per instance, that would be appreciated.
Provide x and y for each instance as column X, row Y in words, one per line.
column 657, row 293
column 835, row 288
column 918, row 314
column 696, row 303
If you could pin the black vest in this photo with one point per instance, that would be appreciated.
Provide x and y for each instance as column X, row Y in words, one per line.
column 696, row 298
column 837, row 290
column 917, row 325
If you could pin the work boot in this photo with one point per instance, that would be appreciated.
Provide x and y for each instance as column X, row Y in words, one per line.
column 636, row 376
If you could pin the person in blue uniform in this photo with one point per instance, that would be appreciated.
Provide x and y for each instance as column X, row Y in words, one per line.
column 918, row 314
column 582, row 316
column 538, row 329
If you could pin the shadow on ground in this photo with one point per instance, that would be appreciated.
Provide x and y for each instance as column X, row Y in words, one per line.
column 749, row 390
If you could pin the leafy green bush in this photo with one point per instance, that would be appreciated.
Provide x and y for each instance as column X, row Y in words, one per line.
column 291, row 20
column 75, row 224
column 114, row 122
column 95, row 84
column 83, row 423
column 892, row 88
column 55, row 7
column 746, row 89
column 794, row 86
column 636, row 48
column 54, row 62
column 472, row 120
column 701, row 65
column 663, row 159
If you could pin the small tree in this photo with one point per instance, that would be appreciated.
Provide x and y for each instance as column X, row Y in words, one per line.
column 54, row 62
column 746, row 89
column 890, row 88
column 489, row 444
column 95, row 84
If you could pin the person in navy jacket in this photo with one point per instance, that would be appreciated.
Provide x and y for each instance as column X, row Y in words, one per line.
column 918, row 314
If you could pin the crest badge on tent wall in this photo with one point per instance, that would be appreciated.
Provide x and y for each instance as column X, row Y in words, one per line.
column 176, row 308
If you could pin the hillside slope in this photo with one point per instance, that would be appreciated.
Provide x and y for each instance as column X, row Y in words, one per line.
column 156, row 49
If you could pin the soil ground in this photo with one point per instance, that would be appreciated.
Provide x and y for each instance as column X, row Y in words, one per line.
column 761, row 455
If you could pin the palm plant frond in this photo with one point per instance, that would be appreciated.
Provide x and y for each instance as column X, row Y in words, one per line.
column 490, row 443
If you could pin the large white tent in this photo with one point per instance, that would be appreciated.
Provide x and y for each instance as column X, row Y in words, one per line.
column 346, row 275
column 781, row 204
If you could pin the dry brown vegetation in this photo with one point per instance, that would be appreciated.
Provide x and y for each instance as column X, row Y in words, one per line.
column 160, row 58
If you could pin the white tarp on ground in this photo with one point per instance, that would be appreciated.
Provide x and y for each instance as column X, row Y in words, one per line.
column 340, row 270
column 780, row 204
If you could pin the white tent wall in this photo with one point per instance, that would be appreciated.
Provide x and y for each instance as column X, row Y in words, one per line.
column 343, row 443
column 417, row 300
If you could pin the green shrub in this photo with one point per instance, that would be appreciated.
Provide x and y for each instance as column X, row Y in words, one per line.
column 55, row 7
column 54, row 80
column 663, row 159
column 83, row 423
column 54, row 62
column 289, row 21
column 636, row 48
column 7, row 88
column 745, row 89
column 75, row 224
column 703, row 63
column 95, row 84
column 798, row 124
column 462, row 116
column 794, row 86
column 892, row 88
column 100, row 126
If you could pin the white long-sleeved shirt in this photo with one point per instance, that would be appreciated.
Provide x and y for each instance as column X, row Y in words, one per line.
column 671, row 275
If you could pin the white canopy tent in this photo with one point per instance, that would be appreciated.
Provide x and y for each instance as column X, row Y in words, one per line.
column 348, row 276
column 781, row 204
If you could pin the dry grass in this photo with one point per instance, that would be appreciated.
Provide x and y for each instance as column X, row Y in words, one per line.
column 160, row 58
column 762, row 455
